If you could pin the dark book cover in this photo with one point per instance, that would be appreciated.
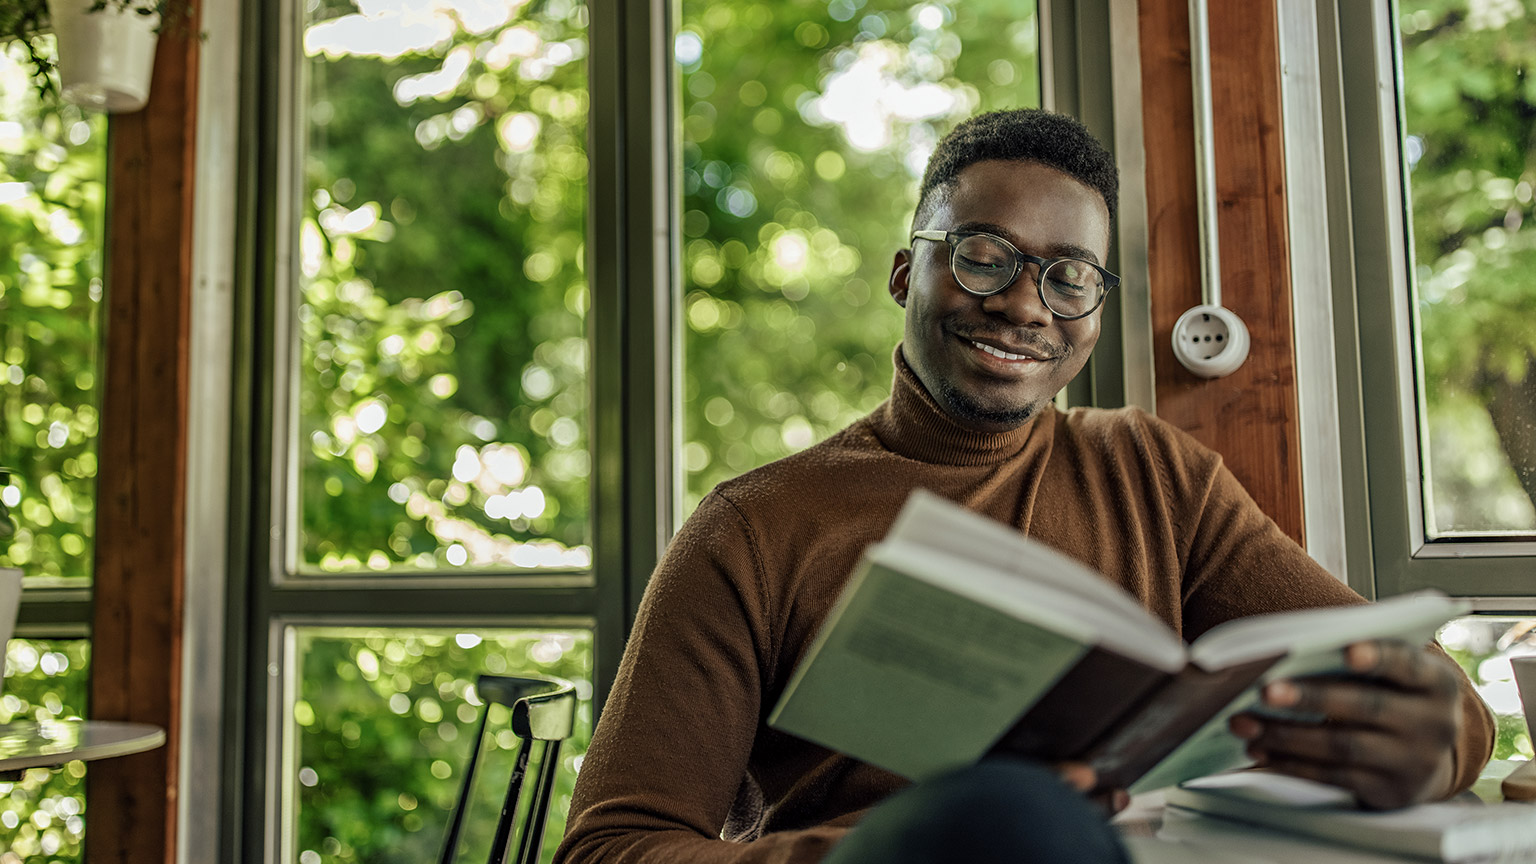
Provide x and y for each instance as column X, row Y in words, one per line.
column 1167, row 717
column 1082, row 708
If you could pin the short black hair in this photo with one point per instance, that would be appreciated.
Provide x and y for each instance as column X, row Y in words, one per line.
column 1019, row 135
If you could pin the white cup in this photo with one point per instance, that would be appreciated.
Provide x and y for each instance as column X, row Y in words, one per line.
column 1525, row 679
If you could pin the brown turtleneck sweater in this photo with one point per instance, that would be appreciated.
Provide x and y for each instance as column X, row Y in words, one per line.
column 683, row 756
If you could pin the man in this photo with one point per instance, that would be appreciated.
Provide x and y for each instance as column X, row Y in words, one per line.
column 1003, row 290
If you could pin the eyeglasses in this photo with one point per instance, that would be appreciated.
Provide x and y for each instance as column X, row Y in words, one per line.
column 985, row 264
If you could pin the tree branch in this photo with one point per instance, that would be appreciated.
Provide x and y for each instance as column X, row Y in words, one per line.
column 1512, row 407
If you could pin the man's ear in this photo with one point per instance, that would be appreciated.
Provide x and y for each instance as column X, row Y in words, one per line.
column 901, row 271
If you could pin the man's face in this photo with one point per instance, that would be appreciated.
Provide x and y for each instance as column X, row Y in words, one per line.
column 1041, row 211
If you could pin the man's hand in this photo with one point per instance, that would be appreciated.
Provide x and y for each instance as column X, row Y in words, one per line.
column 1389, row 731
column 1083, row 778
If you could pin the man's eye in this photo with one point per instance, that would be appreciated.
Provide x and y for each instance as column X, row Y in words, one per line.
column 1064, row 287
column 1072, row 279
column 977, row 266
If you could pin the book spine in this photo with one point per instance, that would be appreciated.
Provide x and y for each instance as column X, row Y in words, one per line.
column 1167, row 717
column 1083, row 707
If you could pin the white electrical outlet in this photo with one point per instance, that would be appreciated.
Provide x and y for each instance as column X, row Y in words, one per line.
column 1211, row 341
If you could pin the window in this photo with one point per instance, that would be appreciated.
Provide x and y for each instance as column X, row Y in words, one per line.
column 384, row 717
column 1466, row 135
column 798, row 187
column 1466, row 148
column 464, row 322
column 1483, row 646
column 52, row 192
column 441, row 383
column 431, row 516
column 1441, row 241
column 1439, row 189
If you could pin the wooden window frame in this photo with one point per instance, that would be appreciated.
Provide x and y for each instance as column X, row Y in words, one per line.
column 140, row 564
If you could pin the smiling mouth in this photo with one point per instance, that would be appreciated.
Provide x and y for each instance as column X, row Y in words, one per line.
column 1004, row 355
column 998, row 352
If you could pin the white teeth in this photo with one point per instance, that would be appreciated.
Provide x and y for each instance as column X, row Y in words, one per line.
column 996, row 352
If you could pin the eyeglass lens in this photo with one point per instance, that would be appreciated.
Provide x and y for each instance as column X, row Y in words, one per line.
column 1070, row 288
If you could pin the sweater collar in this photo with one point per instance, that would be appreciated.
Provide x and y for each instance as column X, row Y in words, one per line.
column 913, row 425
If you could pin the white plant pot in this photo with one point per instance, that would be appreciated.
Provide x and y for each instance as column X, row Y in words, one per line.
column 106, row 57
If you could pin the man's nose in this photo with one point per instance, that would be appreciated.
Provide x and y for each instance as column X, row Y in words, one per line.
column 1020, row 302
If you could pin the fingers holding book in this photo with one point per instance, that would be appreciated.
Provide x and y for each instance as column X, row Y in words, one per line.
column 1403, row 665
column 1083, row 778
column 1385, row 731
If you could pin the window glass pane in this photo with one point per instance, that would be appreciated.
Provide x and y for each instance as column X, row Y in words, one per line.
column 805, row 128
column 442, row 376
column 42, row 816
column 1483, row 646
column 1468, row 132
column 383, row 723
column 52, row 171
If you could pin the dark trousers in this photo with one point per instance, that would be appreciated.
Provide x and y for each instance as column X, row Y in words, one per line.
column 1000, row 811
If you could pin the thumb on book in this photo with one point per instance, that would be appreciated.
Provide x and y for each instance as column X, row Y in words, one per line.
column 1077, row 775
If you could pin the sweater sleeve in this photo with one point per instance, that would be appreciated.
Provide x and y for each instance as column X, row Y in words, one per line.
column 671, row 749
column 1238, row 563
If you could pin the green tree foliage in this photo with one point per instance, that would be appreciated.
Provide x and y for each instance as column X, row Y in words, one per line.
column 805, row 127
column 52, row 165
column 1469, row 72
column 52, row 189
column 385, row 720
column 42, row 816
column 454, row 169
column 443, row 389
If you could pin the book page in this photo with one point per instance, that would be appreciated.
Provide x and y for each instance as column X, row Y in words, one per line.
column 1411, row 617
column 1233, row 842
column 917, row 679
column 931, row 521
column 1025, row 590
column 1211, row 749
column 1315, row 649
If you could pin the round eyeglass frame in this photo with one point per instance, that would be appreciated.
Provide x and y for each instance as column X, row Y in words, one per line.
column 953, row 238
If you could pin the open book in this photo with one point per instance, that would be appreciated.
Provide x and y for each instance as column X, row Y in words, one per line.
column 1460, row 830
column 957, row 636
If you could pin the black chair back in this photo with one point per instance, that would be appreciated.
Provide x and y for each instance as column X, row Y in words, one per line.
column 543, row 711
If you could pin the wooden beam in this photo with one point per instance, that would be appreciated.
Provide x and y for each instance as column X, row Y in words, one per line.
column 1250, row 417
column 141, row 504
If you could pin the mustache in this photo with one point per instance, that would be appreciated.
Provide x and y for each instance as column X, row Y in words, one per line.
column 1018, row 337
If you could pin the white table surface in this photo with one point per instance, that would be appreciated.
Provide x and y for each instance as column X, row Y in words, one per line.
column 1187, row 838
column 1153, row 835
column 48, row 743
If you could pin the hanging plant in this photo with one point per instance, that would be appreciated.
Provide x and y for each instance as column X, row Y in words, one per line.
column 105, row 48
column 24, row 21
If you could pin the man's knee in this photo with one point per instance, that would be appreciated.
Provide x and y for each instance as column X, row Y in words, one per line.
column 1024, row 806
column 998, row 810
